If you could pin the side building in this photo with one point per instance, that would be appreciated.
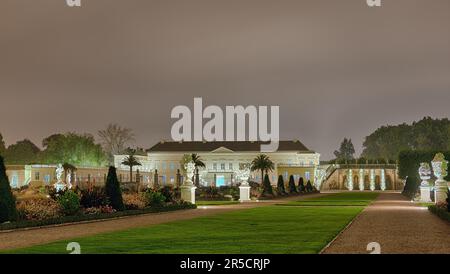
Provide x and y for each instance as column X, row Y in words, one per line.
column 45, row 175
column 223, row 160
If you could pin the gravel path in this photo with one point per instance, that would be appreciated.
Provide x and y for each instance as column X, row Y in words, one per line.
column 398, row 226
column 36, row 236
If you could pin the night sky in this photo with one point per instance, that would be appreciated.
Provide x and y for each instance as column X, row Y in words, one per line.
column 336, row 68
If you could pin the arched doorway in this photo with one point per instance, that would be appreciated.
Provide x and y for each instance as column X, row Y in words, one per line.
column 356, row 182
column 377, row 182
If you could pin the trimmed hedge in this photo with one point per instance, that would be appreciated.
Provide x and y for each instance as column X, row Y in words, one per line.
column 440, row 212
column 103, row 216
column 408, row 167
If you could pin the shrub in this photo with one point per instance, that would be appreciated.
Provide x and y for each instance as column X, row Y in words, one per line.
column 448, row 201
column 292, row 188
column 280, row 185
column 134, row 201
column 38, row 209
column 113, row 191
column 154, row 198
column 309, row 187
column 8, row 211
column 267, row 186
column 70, row 203
column 169, row 193
column 301, row 185
column 93, row 197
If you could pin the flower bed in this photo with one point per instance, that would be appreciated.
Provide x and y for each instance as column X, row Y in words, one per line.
column 92, row 217
column 440, row 212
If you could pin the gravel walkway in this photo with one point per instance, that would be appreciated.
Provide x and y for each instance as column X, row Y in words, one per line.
column 36, row 236
column 398, row 226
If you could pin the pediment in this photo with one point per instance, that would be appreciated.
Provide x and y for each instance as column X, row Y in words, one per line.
column 222, row 150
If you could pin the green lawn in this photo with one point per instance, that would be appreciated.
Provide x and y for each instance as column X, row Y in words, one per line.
column 338, row 199
column 262, row 230
column 216, row 203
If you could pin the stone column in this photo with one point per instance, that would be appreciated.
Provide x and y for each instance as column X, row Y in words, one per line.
column 372, row 179
column 350, row 180
column 440, row 171
column 361, row 179
column 188, row 188
column 383, row 180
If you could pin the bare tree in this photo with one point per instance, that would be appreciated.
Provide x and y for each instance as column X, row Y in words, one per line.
column 114, row 139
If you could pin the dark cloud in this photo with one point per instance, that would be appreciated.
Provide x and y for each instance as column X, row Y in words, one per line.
column 336, row 68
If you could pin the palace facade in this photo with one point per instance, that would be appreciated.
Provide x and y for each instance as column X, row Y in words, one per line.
column 223, row 160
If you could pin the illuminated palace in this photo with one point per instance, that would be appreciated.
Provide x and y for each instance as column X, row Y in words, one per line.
column 223, row 160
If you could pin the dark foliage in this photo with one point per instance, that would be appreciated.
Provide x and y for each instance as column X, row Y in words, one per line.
column 301, row 185
column 280, row 186
column 292, row 188
column 93, row 197
column 113, row 191
column 8, row 211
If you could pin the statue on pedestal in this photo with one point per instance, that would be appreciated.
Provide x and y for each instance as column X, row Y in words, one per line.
column 425, row 175
column 440, row 166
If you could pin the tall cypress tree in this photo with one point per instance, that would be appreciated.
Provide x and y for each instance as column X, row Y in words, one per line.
column 113, row 191
column 267, row 186
column 301, row 185
column 280, row 185
column 292, row 188
column 8, row 211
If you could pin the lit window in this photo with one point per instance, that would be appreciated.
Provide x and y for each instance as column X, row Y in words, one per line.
column 172, row 179
column 307, row 175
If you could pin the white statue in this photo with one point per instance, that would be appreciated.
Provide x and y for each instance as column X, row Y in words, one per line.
column 243, row 175
column 59, row 185
column 425, row 173
column 319, row 177
column 190, row 170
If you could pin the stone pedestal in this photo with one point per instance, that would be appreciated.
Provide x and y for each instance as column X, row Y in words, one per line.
column 425, row 194
column 440, row 191
column 188, row 193
column 244, row 192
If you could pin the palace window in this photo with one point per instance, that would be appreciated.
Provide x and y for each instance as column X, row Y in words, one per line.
column 36, row 176
column 163, row 166
column 230, row 166
column 222, row 166
column 307, row 175
column 214, row 166
column 172, row 166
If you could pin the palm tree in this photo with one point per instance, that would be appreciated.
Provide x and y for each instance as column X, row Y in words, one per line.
column 262, row 162
column 131, row 161
column 198, row 162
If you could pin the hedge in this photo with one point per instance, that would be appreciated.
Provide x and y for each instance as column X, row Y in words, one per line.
column 440, row 212
column 92, row 217
column 408, row 167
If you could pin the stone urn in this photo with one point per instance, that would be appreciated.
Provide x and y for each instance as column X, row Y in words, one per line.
column 425, row 175
column 440, row 166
